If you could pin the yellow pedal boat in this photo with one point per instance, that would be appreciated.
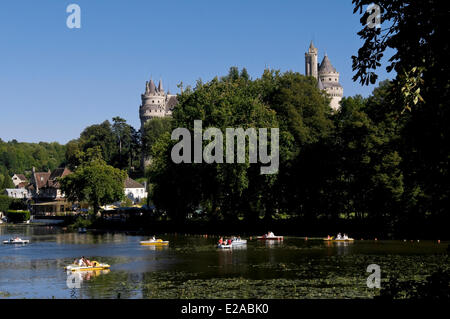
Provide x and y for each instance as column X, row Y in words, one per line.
column 338, row 240
column 95, row 266
column 157, row 242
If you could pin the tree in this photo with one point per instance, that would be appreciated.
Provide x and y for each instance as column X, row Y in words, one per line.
column 7, row 182
column 96, row 183
column 304, row 118
column 415, row 30
column 123, row 136
column 152, row 131
column 5, row 202
column 100, row 135
column 222, row 190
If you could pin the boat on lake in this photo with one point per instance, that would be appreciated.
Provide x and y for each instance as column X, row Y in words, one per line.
column 16, row 240
column 154, row 242
column 270, row 236
column 235, row 242
column 95, row 266
column 339, row 238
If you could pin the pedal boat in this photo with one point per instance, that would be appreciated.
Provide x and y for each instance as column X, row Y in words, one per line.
column 339, row 240
column 95, row 266
column 16, row 241
column 234, row 243
column 158, row 242
column 222, row 246
column 270, row 237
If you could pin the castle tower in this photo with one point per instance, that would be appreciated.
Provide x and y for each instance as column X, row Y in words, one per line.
column 311, row 65
column 153, row 102
column 329, row 79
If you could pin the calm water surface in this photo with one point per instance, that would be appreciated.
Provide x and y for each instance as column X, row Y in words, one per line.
column 192, row 267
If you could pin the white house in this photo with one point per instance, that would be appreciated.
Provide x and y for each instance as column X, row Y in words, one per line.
column 19, row 193
column 134, row 190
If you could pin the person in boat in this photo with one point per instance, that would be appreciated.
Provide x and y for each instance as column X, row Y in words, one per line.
column 229, row 242
column 87, row 262
column 81, row 262
column 345, row 236
column 329, row 237
column 220, row 240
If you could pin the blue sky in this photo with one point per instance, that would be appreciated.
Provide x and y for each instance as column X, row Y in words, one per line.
column 55, row 81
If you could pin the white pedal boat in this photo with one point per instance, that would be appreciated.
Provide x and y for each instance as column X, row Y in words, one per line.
column 16, row 241
column 270, row 237
column 234, row 243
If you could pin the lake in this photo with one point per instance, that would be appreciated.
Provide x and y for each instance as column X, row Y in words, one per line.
column 192, row 267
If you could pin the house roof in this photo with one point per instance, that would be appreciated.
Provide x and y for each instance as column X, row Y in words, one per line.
column 130, row 183
column 57, row 173
column 50, row 179
column 21, row 177
column 22, row 185
column 41, row 178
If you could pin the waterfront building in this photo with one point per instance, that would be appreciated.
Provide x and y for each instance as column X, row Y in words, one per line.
column 134, row 190
column 45, row 190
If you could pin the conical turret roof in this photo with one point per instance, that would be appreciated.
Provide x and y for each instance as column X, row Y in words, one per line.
column 152, row 87
column 326, row 67
column 320, row 85
column 160, row 87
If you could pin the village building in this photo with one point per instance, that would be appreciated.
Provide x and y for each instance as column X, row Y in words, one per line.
column 17, row 193
column 134, row 190
column 45, row 190
column 19, row 181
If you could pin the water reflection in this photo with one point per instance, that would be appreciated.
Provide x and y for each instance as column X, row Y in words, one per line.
column 155, row 248
column 273, row 243
column 339, row 248
column 77, row 277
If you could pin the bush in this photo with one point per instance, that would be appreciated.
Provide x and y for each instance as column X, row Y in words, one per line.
column 5, row 201
column 18, row 204
column 17, row 216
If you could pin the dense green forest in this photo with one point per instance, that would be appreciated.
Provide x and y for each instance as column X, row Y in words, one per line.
column 20, row 158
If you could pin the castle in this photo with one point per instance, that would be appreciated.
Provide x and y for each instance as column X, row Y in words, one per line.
column 155, row 102
column 326, row 75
